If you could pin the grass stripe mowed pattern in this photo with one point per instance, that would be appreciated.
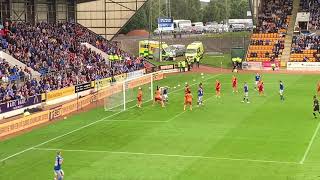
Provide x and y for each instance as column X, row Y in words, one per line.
column 224, row 139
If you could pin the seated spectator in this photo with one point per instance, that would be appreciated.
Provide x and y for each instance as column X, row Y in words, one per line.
column 55, row 50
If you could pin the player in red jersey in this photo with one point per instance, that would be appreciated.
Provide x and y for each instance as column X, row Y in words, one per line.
column 187, row 100
column 235, row 84
column 261, row 88
column 158, row 97
column 218, row 89
column 318, row 89
column 139, row 97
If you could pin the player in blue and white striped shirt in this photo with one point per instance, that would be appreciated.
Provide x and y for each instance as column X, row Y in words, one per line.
column 246, row 93
column 58, row 172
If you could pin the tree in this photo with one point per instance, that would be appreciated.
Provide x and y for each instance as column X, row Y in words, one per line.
column 216, row 10
column 238, row 9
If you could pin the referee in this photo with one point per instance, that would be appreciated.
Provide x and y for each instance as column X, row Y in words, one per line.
column 315, row 106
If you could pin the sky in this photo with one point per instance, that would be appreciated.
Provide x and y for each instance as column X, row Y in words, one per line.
column 205, row 0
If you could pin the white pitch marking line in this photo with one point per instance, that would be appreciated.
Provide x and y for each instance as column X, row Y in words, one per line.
column 174, row 117
column 310, row 144
column 167, row 155
column 136, row 121
column 78, row 129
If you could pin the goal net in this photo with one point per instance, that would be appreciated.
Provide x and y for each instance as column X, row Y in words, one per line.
column 123, row 95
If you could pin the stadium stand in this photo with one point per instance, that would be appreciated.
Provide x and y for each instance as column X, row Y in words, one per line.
column 315, row 15
column 306, row 47
column 267, row 41
column 56, row 52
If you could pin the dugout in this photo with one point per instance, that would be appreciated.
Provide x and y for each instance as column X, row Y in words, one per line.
column 237, row 56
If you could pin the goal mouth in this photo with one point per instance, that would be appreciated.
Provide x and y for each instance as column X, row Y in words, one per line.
column 124, row 94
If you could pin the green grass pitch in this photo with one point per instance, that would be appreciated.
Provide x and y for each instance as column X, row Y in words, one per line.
column 223, row 140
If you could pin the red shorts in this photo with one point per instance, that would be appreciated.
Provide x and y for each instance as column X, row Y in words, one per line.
column 260, row 89
column 188, row 102
column 158, row 99
column 234, row 85
column 218, row 90
column 139, row 99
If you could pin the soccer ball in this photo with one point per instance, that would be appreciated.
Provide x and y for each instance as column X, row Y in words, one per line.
column 194, row 80
column 65, row 118
column 178, row 85
column 174, row 87
column 201, row 74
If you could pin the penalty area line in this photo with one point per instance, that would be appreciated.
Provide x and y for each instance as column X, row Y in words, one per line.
column 310, row 144
column 167, row 155
column 80, row 128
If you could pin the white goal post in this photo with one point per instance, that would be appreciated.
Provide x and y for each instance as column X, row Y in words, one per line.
column 124, row 93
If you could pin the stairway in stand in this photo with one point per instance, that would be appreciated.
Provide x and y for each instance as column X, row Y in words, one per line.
column 288, row 39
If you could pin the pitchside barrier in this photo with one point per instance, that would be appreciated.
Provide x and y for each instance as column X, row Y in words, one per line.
column 63, row 110
column 265, row 65
column 303, row 66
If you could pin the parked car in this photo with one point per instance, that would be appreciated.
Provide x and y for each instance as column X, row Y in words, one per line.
column 177, row 50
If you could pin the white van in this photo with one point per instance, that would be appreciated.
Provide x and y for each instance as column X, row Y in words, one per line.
column 197, row 27
column 182, row 25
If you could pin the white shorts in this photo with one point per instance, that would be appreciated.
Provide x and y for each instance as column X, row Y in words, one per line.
column 59, row 173
column 165, row 96
column 200, row 98
column 281, row 92
column 257, row 82
column 246, row 94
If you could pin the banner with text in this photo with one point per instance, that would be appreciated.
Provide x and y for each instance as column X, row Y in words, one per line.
column 303, row 66
column 135, row 74
column 23, row 123
column 102, row 83
column 165, row 24
column 83, row 87
column 19, row 103
column 251, row 65
column 267, row 65
column 167, row 67
column 60, row 93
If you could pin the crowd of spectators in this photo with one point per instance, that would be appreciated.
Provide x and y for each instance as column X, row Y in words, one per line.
column 312, row 6
column 277, row 47
column 273, row 16
column 305, row 42
column 302, row 43
column 55, row 50
column 10, row 73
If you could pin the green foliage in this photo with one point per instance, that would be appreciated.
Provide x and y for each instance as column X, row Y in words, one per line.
column 216, row 10
column 219, row 60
